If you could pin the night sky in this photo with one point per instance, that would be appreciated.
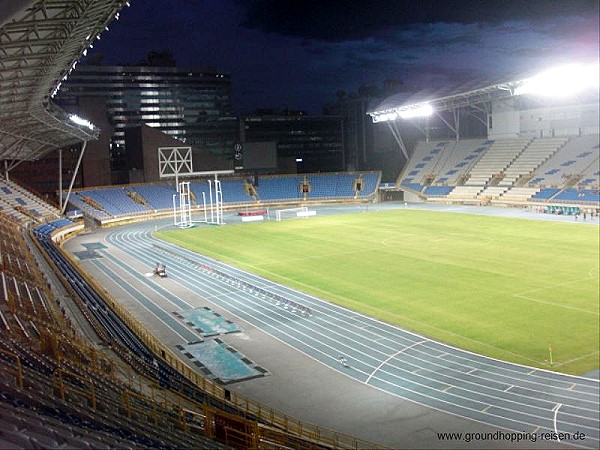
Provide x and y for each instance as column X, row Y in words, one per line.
column 298, row 54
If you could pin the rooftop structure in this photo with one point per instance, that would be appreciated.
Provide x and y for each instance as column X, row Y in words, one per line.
column 40, row 44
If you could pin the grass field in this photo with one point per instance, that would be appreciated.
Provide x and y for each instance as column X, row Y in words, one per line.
column 506, row 288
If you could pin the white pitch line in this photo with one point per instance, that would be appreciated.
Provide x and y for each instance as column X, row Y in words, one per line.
column 513, row 401
column 417, row 383
column 393, row 356
column 236, row 271
column 230, row 268
column 324, row 305
column 558, row 305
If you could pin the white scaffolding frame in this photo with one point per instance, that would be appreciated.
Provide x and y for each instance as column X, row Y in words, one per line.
column 182, row 215
column 175, row 162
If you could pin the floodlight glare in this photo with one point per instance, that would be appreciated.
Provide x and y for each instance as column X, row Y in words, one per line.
column 80, row 121
column 561, row 81
column 385, row 117
column 420, row 110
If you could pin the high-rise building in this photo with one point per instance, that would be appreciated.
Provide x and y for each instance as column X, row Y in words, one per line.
column 294, row 142
column 190, row 105
column 367, row 146
column 358, row 129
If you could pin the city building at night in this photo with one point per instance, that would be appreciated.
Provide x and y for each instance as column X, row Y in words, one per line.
column 190, row 105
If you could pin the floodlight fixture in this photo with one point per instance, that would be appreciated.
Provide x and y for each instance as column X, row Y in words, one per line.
column 561, row 81
column 299, row 159
column 418, row 110
column 81, row 121
column 404, row 112
column 385, row 117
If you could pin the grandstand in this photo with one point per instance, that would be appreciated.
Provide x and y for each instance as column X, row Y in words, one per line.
column 23, row 205
column 511, row 171
column 514, row 172
column 554, row 158
column 113, row 204
column 80, row 370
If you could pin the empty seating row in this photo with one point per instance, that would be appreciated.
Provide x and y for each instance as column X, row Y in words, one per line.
column 24, row 205
column 155, row 196
column 509, row 170
column 538, row 151
column 115, row 202
column 495, row 160
column 43, row 420
column 460, row 160
column 578, row 156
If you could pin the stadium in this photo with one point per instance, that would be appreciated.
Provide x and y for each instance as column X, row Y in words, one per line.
column 455, row 308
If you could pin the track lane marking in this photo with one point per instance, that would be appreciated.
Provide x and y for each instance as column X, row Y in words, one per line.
column 532, row 371
column 393, row 356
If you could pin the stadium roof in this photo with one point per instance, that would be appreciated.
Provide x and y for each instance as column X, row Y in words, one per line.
column 446, row 98
column 40, row 43
column 560, row 81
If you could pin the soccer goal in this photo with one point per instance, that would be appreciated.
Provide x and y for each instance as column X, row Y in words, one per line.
column 291, row 213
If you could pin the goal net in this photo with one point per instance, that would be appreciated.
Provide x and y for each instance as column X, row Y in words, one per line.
column 290, row 213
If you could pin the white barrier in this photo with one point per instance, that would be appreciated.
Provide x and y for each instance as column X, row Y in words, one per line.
column 306, row 213
column 252, row 218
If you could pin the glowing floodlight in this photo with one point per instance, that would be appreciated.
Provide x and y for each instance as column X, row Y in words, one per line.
column 420, row 110
column 384, row 117
column 80, row 121
column 561, row 81
column 405, row 112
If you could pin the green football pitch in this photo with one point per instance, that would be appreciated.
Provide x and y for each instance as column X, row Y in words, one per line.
column 520, row 290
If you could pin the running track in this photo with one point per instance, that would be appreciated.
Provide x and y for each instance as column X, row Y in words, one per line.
column 509, row 396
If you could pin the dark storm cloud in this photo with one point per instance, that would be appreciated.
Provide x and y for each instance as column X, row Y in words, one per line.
column 339, row 20
column 299, row 53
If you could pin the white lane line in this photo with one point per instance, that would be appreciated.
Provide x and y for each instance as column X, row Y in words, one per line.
column 333, row 310
column 392, row 356
column 555, row 409
column 273, row 286
column 524, row 402
column 509, row 388
column 508, row 400
column 388, row 383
